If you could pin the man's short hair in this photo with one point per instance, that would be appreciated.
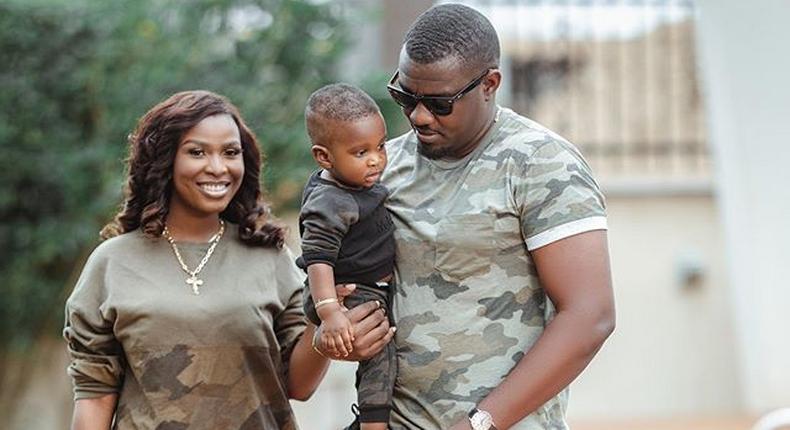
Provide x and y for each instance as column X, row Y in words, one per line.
column 453, row 30
column 336, row 102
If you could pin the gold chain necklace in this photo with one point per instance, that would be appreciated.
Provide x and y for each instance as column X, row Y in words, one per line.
column 193, row 281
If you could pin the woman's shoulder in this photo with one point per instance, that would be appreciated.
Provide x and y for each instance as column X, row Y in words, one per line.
column 122, row 246
column 256, row 252
column 245, row 249
column 91, row 284
column 271, row 265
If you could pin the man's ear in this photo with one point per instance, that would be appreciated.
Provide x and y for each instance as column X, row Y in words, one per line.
column 322, row 156
column 491, row 83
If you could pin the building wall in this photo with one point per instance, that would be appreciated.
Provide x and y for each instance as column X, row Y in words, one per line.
column 672, row 353
column 745, row 63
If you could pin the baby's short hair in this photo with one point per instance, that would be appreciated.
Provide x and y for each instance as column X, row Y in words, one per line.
column 336, row 102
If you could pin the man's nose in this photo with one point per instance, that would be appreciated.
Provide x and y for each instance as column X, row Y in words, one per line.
column 420, row 116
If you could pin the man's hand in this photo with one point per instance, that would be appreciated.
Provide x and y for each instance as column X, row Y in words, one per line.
column 343, row 291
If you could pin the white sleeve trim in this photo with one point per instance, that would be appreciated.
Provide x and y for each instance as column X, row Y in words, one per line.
column 566, row 230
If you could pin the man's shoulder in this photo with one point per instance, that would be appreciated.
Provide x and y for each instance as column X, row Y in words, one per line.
column 402, row 157
column 402, row 147
column 399, row 141
column 522, row 138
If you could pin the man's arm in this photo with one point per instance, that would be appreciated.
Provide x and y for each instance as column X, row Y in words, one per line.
column 575, row 275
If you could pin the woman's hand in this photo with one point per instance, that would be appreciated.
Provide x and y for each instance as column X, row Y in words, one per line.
column 371, row 329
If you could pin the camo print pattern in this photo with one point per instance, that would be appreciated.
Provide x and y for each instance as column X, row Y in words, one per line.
column 176, row 360
column 375, row 376
column 469, row 302
column 204, row 387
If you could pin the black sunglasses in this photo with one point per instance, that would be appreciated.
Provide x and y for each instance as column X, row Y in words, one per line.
column 437, row 105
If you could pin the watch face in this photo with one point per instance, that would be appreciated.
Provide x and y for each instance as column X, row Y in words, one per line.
column 481, row 420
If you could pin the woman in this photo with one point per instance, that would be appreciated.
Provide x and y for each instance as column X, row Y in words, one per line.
column 190, row 313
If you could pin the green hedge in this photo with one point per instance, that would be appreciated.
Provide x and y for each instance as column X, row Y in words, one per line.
column 75, row 76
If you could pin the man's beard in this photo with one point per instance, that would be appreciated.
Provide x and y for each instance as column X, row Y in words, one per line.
column 434, row 152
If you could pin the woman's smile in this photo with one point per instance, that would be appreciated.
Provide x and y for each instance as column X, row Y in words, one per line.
column 216, row 190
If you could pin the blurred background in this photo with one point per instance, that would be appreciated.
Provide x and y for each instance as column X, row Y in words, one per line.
column 681, row 107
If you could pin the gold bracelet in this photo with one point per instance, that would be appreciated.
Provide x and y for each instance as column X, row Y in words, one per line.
column 325, row 302
column 313, row 343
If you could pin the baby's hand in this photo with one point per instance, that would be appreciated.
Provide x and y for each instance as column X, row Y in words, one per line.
column 336, row 334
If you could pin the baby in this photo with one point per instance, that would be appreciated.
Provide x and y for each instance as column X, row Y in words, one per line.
column 347, row 232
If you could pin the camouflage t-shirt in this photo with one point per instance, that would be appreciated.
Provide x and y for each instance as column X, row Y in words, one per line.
column 469, row 303
column 177, row 360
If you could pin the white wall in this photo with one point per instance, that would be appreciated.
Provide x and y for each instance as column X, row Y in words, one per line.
column 745, row 49
column 672, row 353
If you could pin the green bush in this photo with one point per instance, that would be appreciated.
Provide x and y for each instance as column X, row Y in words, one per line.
column 75, row 76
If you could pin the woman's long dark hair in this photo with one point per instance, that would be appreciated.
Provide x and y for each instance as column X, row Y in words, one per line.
column 149, row 183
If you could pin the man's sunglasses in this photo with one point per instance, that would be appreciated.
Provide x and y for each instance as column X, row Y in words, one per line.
column 437, row 105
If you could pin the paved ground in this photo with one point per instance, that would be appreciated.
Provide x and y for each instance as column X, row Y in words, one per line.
column 720, row 423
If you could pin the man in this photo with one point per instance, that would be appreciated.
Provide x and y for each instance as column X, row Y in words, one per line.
column 504, row 292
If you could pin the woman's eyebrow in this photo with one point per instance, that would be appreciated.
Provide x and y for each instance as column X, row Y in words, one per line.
column 202, row 143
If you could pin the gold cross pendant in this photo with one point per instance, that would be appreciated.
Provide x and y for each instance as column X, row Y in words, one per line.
column 195, row 283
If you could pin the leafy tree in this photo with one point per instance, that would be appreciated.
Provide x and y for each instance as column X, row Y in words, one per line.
column 74, row 77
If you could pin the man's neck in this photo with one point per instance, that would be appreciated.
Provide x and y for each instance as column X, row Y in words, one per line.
column 477, row 139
